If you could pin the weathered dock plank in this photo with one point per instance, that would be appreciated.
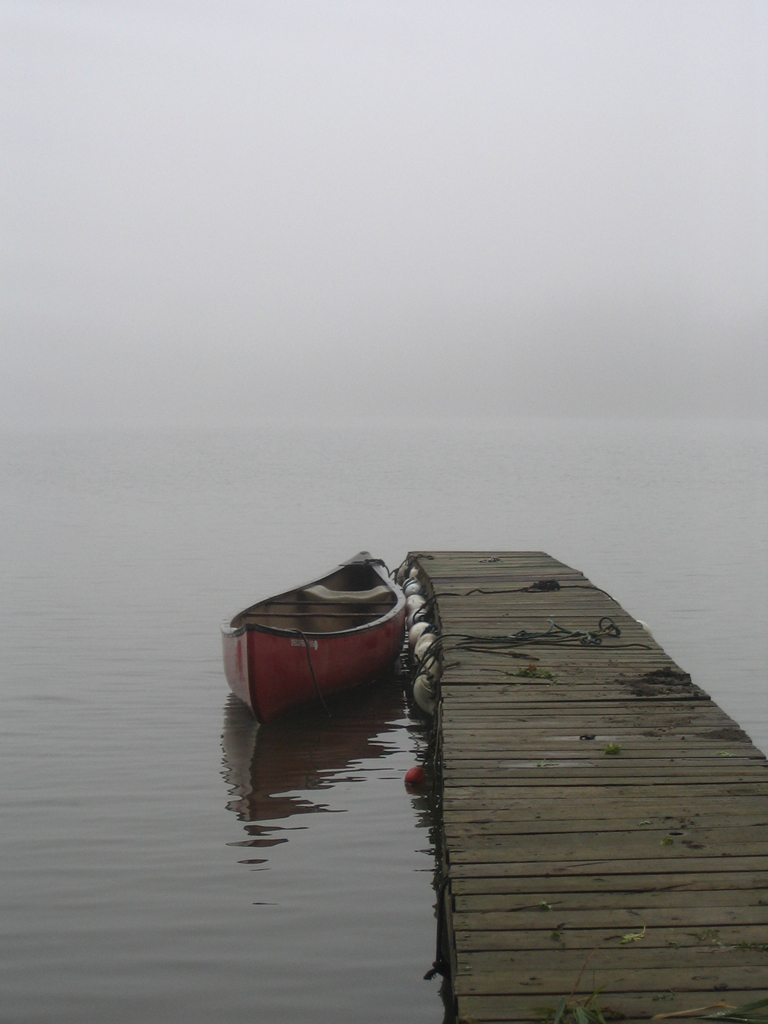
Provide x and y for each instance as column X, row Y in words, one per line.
column 605, row 823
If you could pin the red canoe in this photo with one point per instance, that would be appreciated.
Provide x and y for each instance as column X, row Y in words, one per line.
column 329, row 635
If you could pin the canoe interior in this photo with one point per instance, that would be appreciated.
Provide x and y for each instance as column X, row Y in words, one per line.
column 352, row 596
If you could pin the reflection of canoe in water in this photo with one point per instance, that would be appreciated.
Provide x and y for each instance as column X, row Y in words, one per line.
column 271, row 767
column 330, row 635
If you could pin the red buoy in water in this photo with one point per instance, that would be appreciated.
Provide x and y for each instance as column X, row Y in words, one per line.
column 414, row 776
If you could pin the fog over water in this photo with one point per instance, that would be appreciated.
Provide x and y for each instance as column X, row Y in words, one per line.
column 165, row 861
column 216, row 211
column 280, row 280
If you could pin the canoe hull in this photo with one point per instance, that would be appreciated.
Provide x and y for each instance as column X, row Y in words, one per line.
column 271, row 674
column 269, row 669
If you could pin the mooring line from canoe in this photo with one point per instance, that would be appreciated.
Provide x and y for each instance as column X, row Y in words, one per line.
column 312, row 670
column 380, row 561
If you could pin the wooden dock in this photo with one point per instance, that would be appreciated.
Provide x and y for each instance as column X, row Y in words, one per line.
column 605, row 823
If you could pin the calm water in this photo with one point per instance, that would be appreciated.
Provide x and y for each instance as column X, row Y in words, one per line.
column 165, row 861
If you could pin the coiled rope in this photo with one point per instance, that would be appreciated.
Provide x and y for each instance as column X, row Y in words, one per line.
column 507, row 643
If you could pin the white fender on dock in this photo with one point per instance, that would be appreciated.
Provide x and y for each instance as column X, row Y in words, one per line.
column 417, row 630
column 412, row 605
column 425, row 695
column 423, row 644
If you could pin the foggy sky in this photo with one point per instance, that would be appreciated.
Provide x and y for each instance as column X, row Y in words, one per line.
column 217, row 211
